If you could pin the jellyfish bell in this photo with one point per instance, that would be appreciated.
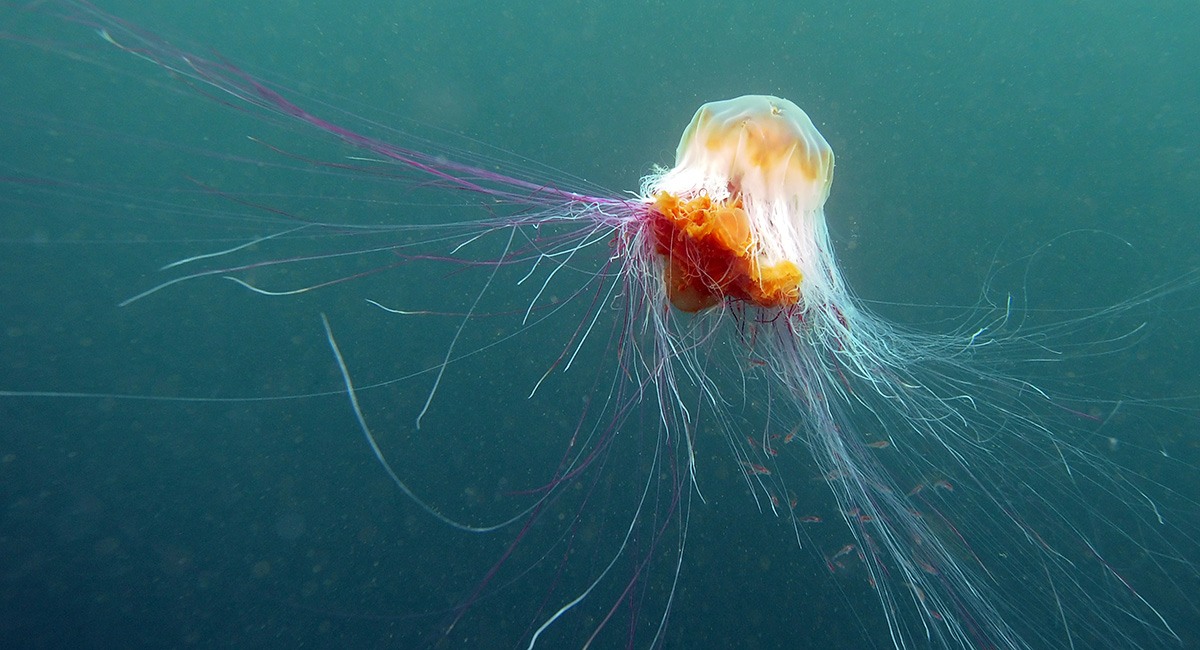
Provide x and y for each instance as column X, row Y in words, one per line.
column 741, row 214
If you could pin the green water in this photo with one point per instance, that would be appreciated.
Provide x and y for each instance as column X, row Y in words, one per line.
column 969, row 137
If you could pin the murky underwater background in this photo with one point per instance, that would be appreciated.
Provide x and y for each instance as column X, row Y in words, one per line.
column 968, row 137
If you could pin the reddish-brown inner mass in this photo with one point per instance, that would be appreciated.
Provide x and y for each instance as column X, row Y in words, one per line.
column 709, row 249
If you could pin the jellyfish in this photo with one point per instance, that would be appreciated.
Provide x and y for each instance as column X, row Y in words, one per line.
column 898, row 423
column 966, row 502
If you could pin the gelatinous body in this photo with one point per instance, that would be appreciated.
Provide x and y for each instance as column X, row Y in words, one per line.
column 736, row 215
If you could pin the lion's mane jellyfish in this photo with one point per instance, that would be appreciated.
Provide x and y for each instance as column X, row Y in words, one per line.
column 926, row 447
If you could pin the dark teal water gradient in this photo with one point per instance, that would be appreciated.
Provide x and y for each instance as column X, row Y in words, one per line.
column 967, row 136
